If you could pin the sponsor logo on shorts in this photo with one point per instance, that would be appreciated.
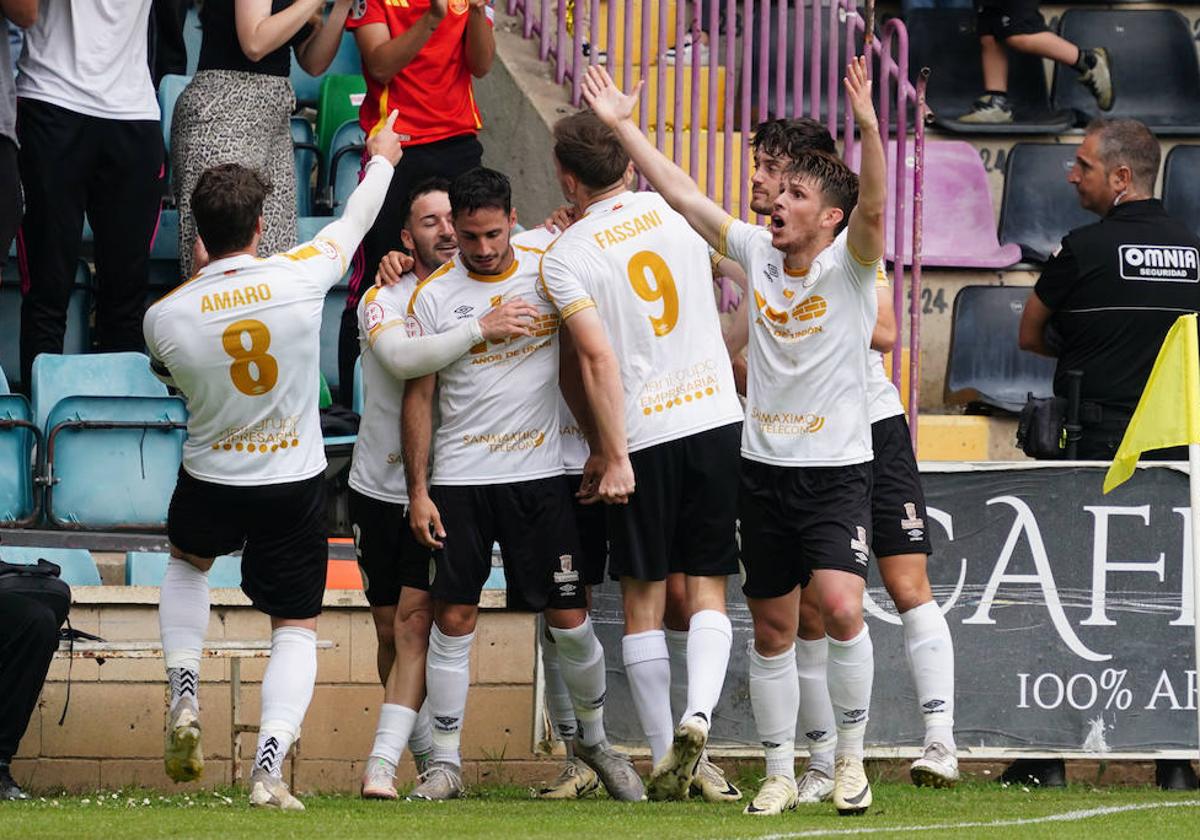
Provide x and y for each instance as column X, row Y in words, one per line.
column 913, row 524
column 1169, row 263
column 858, row 544
column 567, row 573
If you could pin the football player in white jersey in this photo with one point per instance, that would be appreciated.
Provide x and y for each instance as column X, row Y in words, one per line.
column 899, row 533
column 240, row 340
column 633, row 269
column 395, row 567
column 498, row 476
column 805, row 479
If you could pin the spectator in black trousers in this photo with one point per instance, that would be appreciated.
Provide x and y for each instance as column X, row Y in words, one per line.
column 88, row 126
column 1103, row 306
column 168, row 49
column 28, row 639
column 23, row 13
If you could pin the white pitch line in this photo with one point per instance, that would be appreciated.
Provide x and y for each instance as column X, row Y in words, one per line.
column 1067, row 816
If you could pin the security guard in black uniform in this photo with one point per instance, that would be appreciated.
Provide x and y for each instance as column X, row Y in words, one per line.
column 1103, row 306
column 1116, row 286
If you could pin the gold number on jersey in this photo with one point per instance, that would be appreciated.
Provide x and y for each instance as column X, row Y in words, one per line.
column 254, row 371
column 652, row 281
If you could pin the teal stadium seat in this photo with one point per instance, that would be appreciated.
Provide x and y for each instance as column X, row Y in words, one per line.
column 18, row 436
column 345, row 160
column 331, row 321
column 169, row 88
column 114, row 441
column 165, row 273
column 306, row 156
column 78, row 338
column 78, row 567
column 146, row 568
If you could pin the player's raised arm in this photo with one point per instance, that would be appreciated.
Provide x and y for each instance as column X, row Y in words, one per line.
column 615, row 109
column 865, row 233
column 365, row 202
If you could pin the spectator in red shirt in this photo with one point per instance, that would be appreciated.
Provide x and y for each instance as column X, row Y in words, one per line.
column 418, row 57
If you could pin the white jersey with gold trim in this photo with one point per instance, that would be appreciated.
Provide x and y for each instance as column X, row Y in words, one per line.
column 650, row 276
column 499, row 402
column 242, row 341
column 810, row 334
column 377, row 468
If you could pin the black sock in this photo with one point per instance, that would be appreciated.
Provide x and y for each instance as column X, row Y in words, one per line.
column 1085, row 62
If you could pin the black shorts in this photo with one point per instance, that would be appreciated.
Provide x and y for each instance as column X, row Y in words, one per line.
column 682, row 517
column 280, row 529
column 389, row 556
column 1004, row 18
column 535, row 526
column 898, row 516
column 592, row 527
column 797, row 519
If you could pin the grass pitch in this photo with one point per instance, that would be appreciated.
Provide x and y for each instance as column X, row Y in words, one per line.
column 976, row 809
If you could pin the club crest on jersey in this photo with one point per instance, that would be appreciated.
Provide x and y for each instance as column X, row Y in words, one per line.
column 374, row 315
column 326, row 248
column 913, row 524
column 567, row 573
column 858, row 544
column 413, row 327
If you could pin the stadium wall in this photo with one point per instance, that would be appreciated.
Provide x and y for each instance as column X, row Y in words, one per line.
column 113, row 733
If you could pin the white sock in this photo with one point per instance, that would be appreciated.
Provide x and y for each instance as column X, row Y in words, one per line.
column 677, row 642
column 581, row 659
column 447, row 681
column 775, row 699
column 648, row 669
column 931, row 660
column 710, row 636
column 815, row 721
column 420, row 742
column 395, row 725
column 182, row 622
column 287, row 689
column 558, row 697
column 851, row 672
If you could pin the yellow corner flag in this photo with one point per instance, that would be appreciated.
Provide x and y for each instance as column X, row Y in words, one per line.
column 1168, row 414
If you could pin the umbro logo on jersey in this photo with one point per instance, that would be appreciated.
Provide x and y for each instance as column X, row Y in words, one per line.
column 772, row 272
column 464, row 311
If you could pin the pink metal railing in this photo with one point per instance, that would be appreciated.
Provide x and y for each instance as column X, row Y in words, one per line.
column 563, row 34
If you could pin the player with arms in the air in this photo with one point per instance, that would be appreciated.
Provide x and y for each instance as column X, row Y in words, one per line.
column 804, row 505
column 240, row 340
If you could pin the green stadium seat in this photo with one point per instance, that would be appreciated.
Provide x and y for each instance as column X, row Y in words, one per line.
column 146, row 568
column 340, row 99
column 78, row 567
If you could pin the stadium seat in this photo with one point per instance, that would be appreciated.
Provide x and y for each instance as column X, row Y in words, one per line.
column 165, row 272
column 1156, row 76
column 169, row 89
column 113, row 461
column 945, row 40
column 1039, row 207
column 97, row 375
column 985, row 364
column 341, row 97
column 306, row 154
column 357, row 398
column 78, row 567
column 18, row 436
column 959, row 223
column 346, row 62
column 345, row 160
column 1181, row 185
column 146, row 568
column 78, row 338
column 331, row 322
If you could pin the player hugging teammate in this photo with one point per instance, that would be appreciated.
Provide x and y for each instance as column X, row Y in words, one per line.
column 569, row 395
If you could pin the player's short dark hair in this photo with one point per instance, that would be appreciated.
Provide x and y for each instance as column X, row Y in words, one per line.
column 479, row 188
column 1128, row 143
column 432, row 184
column 226, row 204
column 589, row 150
column 788, row 138
column 831, row 174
